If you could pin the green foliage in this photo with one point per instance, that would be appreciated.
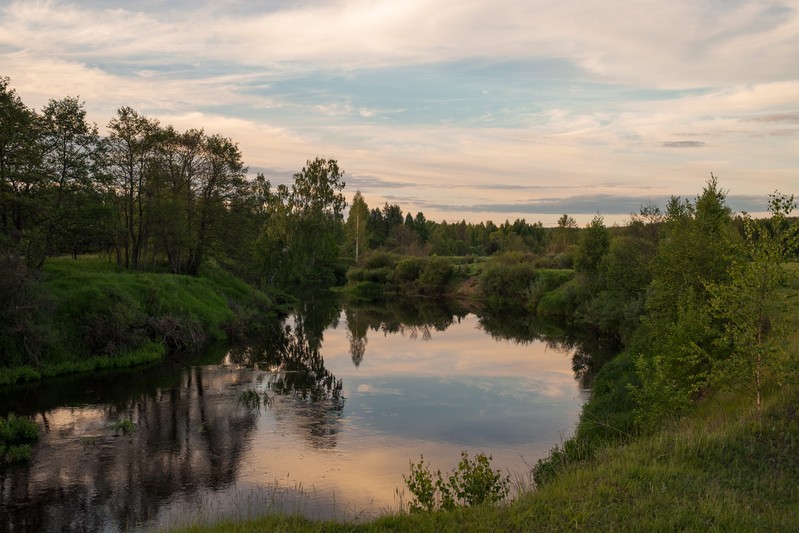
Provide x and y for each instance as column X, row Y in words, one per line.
column 619, row 296
column 742, row 304
column 124, row 426
column 25, row 315
column 380, row 259
column 472, row 483
column 357, row 220
column 594, row 243
column 608, row 418
column 679, row 340
column 563, row 301
column 408, row 270
column 304, row 230
column 436, row 276
column 503, row 281
column 17, row 434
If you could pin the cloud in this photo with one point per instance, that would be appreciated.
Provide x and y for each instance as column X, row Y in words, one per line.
column 596, row 204
column 473, row 103
column 792, row 118
column 683, row 144
column 641, row 48
column 360, row 181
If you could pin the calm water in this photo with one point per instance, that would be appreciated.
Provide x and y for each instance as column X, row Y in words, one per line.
column 354, row 394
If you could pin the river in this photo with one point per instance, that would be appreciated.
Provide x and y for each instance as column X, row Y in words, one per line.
column 347, row 396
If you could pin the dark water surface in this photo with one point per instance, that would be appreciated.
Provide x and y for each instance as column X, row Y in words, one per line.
column 354, row 393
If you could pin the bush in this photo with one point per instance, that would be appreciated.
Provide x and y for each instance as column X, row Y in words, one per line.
column 17, row 433
column 472, row 483
column 563, row 301
column 368, row 290
column 504, row 282
column 408, row 270
column 379, row 260
column 436, row 275
column 112, row 323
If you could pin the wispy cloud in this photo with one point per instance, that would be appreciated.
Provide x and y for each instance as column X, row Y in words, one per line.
column 600, row 204
column 683, row 144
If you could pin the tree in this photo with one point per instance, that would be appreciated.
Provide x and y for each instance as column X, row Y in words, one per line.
column 356, row 223
column 304, row 228
column 220, row 180
column 743, row 303
column 567, row 226
column 421, row 227
column 20, row 173
column 594, row 244
column 647, row 223
column 70, row 147
column 679, row 337
column 130, row 148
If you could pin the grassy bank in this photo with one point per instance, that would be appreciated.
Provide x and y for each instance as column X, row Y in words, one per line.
column 99, row 317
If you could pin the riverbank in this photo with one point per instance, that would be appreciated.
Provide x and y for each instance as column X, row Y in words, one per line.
column 725, row 466
column 95, row 316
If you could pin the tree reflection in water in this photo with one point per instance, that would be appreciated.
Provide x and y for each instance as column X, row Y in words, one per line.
column 419, row 318
column 590, row 351
column 295, row 369
column 84, row 477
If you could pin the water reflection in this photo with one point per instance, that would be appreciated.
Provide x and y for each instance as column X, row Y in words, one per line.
column 295, row 368
column 85, row 476
column 357, row 390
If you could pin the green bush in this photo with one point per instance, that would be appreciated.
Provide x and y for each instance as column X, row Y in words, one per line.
column 17, row 433
column 368, row 290
column 562, row 301
column 436, row 275
column 508, row 282
column 409, row 269
column 379, row 260
column 473, row 482
column 382, row 275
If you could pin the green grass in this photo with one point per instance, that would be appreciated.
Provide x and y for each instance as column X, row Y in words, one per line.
column 103, row 317
column 17, row 434
column 84, row 285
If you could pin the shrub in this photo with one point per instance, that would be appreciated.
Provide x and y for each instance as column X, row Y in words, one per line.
column 506, row 282
column 17, row 433
column 436, row 275
column 367, row 290
column 563, row 301
column 473, row 482
column 379, row 260
column 409, row 269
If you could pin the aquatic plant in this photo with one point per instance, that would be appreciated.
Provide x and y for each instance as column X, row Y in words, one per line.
column 125, row 426
column 17, row 434
column 252, row 399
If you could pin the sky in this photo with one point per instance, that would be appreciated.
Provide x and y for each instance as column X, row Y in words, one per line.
column 462, row 109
